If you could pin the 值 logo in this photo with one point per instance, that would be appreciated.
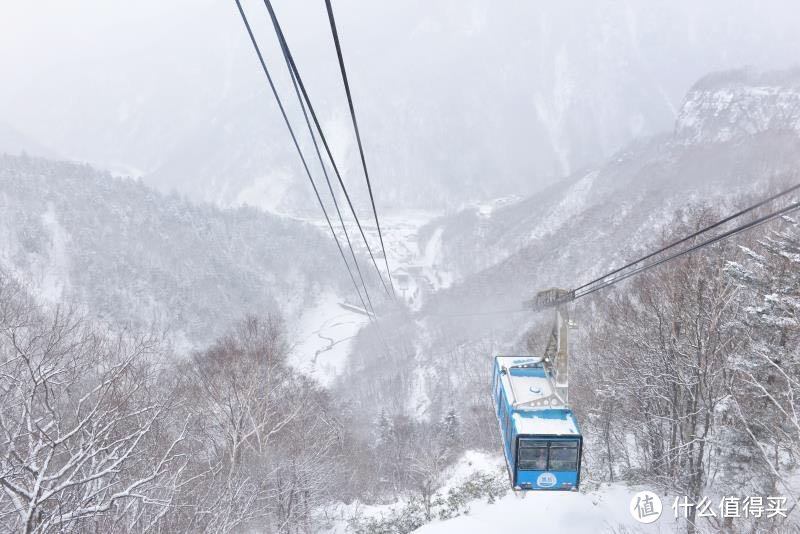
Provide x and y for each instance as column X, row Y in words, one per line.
column 646, row 507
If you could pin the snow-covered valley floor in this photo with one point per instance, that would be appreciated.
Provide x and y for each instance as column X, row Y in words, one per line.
column 415, row 268
column 324, row 335
column 325, row 330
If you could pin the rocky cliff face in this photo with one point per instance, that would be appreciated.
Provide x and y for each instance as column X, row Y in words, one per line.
column 733, row 105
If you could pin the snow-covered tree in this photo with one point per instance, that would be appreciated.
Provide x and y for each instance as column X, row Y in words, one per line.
column 767, row 391
column 664, row 366
column 81, row 447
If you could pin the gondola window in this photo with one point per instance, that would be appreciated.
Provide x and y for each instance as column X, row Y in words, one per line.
column 533, row 455
column 563, row 456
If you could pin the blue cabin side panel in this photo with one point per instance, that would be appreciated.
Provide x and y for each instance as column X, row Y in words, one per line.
column 503, row 413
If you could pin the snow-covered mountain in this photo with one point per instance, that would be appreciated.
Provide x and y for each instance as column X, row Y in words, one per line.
column 133, row 256
column 737, row 133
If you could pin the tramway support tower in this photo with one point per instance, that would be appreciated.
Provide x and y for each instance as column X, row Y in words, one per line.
column 556, row 354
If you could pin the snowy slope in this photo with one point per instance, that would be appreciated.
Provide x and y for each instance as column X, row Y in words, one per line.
column 324, row 333
column 605, row 510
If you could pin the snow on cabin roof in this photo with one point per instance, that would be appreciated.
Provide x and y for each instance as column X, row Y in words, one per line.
column 529, row 388
column 524, row 384
column 529, row 384
column 555, row 424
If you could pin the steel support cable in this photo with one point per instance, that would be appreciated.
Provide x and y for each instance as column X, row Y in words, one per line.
column 752, row 224
column 288, row 53
column 296, row 80
column 692, row 236
column 585, row 289
column 299, row 151
column 371, row 316
column 335, row 34
column 328, row 181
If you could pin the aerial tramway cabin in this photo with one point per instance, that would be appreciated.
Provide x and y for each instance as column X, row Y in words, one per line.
column 542, row 441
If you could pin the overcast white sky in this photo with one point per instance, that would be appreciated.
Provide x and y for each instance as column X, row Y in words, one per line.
column 538, row 89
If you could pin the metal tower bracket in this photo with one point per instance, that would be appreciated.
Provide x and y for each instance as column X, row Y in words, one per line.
column 556, row 354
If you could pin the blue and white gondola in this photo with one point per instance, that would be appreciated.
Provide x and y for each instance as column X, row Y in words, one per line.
column 542, row 441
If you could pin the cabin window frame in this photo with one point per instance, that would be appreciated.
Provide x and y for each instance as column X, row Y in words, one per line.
column 547, row 443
